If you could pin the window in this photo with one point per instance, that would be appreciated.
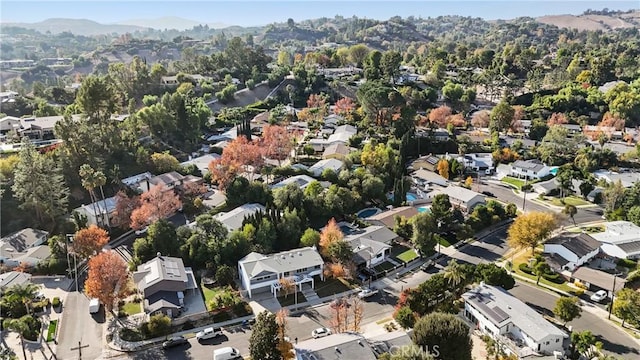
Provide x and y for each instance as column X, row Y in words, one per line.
column 557, row 340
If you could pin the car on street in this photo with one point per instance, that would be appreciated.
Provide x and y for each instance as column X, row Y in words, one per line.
column 599, row 295
column 142, row 231
column 365, row 293
column 427, row 265
column 488, row 193
column 320, row 332
column 174, row 341
column 208, row 333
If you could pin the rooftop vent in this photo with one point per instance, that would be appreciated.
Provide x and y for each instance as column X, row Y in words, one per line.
column 337, row 350
column 283, row 257
column 292, row 254
column 299, row 253
column 158, row 254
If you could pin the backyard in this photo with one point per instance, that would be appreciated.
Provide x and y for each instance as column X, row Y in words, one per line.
column 408, row 255
column 384, row 266
column 523, row 258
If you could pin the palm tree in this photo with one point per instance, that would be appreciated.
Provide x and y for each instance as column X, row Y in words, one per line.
column 25, row 292
column 454, row 273
column 92, row 179
column 21, row 327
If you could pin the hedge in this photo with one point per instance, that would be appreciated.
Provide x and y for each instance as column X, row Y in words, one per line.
column 554, row 278
column 630, row 264
column 525, row 269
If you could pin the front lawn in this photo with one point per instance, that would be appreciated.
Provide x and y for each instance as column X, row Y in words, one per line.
column 517, row 183
column 330, row 287
column 569, row 200
column 563, row 287
column 132, row 308
column 408, row 255
column 291, row 299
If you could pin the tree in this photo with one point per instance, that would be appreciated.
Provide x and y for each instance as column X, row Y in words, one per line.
column 125, row 205
column 567, row 309
column 164, row 162
column 571, row 211
column 557, row 119
column 454, row 274
column 404, row 317
column 107, row 278
column 540, row 267
column 357, row 312
column 276, row 142
column 310, row 238
column 424, row 228
column 447, row 332
column 339, row 251
column 529, row 229
column 21, row 327
column 494, row 275
column 329, row 235
column 439, row 116
column 39, row 185
column 441, row 211
column 21, row 295
column 91, row 179
column 626, row 306
column 633, row 215
column 225, row 275
column 264, row 338
column 240, row 155
column 443, row 168
column 284, row 347
column 158, row 325
column 358, row 53
column 157, row 203
column 468, row 182
column 501, row 116
column 89, row 241
column 582, row 343
column 287, row 285
column 480, row 119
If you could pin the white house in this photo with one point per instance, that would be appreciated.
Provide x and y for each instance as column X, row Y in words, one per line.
column 25, row 246
column 427, row 178
column 529, row 169
column 233, row 219
column 333, row 120
column 478, row 161
column 260, row 272
column 460, row 197
column 621, row 239
column 100, row 212
column 333, row 164
column 371, row 245
column 301, row 180
column 202, row 162
column 576, row 249
column 626, row 178
column 518, row 328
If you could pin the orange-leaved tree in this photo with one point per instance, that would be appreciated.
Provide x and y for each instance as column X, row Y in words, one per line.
column 89, row 240
column 344, row 107
column 124, row 207
column 557, row 119
column 157, row 203
column 238, row 156
column 276, row 142
column 107, row 278
column 530, row 229
column 443, row 168
column 329, row 235
column 440, row 115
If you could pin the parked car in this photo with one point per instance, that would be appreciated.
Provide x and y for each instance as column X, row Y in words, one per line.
column 208, row 333
column 365, row 293
column 226, row 353
column 142, row 231
column 488, row 193
column 599, row 296
column 427, row 265
column 320, row 332
column 174, row 341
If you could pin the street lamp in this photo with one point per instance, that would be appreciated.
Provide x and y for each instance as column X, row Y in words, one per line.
column 613, row 293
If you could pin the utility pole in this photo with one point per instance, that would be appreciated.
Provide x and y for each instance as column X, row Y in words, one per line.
column 66, row 245
column 75, row 264
column 79, row 348
column 613, row 294
column 524, row 193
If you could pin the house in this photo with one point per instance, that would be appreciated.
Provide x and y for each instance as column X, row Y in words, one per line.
column 101, row 212
column 342, row 134
column 170, row 180
column 233, row 219
column 599, row 279
column 335, row 346
column 477, row 161
column 336, row 151
column 201, row 162
column 7, row 96
column 460, row 197
column 427, row 178
column 626, row 178
column 576, row 249
column 371, row 245
column 429, row 162
column 13, row 278
column 332, row 164
column 133, row 181
column 227, row 135
column 621, row 239
column 388, row 218
column 163, row 282
column 529, row 169
column 9, row 123
column 301, row 180
column 260, row 272
column 332, row 121
column 35, row 128
column 521, row 329
column 572, row 129
column 25, row 246
column 440, row 134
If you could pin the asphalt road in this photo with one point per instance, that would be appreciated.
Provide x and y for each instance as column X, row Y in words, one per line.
column 486, row 250
column 78, row 325
column 615, row 341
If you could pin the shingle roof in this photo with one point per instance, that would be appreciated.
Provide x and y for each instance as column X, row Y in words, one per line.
column 581, row 244
column 337, row 148
column 234, row 218
column 21, row 240
column 459, row 193
column 159, row 269
column 598, row 278
column 376, row 233
column 336, row 346
column 388, row 217
column 256, row 263
column 533, row 165
column 167, row 178
column 11, row 278
column 502, row 308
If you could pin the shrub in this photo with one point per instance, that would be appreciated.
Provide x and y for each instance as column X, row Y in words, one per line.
column 578, row 292
column 554, row 278
column 158, row 325
column 629, row 264
column 188, row 325
column 525, row 269
column 580, row 285
column 56, row 302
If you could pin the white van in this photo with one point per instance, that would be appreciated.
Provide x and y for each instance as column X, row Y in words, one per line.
column 94, row 306
column 226, row 353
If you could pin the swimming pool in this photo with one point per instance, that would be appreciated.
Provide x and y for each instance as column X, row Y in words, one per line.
column 365, row 213
column 412, row 197
column 426, row 209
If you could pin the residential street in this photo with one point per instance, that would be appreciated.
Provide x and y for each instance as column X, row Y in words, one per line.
column 615, row 341
column 78, row 325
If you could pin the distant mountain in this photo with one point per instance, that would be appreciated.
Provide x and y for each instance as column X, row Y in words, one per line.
column 594, row 22
column 170, row 22
column 77, row 26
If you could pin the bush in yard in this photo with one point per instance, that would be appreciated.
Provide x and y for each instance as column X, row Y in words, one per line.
column 525, row 268
column 56, row 302
column 554, row 278
column 629, row 264
column 225, row 275
column 404, row 317
column 158, row 325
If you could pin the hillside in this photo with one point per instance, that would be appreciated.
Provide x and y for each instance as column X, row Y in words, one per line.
column 592, row 21
column 76, row 26
column 170, row 22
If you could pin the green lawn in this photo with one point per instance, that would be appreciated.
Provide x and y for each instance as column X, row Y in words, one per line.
column 408, row 255
column 569, row 200
column 51, row 332
column 132, row 308
column 331, row 287
column 563, row 287
column 444, row 242
column 513, row 181
column 382, row 267
column 291, row 299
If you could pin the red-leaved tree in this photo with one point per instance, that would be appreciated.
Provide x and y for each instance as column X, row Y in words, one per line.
column 276, row 142
column 557, row 119
column 240, row 155
column 124, row 207
column 157, row 203
column 90, row 240
column 107, row 278
column 344, row 106
column 439, row 116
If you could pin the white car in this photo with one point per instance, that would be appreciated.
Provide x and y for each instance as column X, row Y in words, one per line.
column 208, row 333
column 599, row 295
column 320, row 332
column 367, row 292
column 142, row 231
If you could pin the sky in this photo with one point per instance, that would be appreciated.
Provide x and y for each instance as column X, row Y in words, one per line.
column 262, row 12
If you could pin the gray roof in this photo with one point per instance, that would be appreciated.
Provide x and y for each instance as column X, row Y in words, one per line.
column 23, row 239
column 581, row 244
column 533, row 165
column 286, row 261
column 430, row 177
column 202, row 162
column 459, row 193
column 502, row 308
column 301, row 180
column 336, row 346
column 167, row 178
column 161, row 300
column 233, row 219
column 377, row 233
column 598, row 278
column 337, row 148
column 159, row 269
column 389, row 217
column 12, row 278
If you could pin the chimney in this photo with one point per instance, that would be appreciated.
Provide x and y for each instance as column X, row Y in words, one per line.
column 159, row 254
